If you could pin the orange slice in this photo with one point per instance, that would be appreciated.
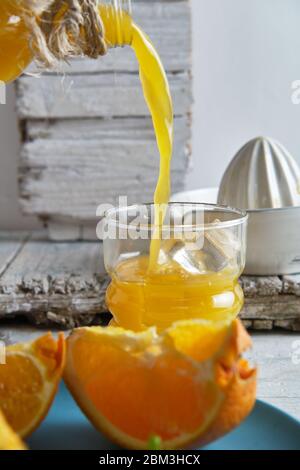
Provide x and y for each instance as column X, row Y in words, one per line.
column 200, row 339
column 134, row 386
column 29, row 380
column 9, row 440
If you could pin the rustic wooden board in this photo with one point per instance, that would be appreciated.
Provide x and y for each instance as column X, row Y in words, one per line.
column 8, row 252
column 65, row 284
column 278, row 378
column 69, row 167
column 291, row 284
column 87, row 133
column 48, row 280
column 87, row 96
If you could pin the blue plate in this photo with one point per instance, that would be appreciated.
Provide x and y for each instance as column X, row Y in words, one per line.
column 66, row 428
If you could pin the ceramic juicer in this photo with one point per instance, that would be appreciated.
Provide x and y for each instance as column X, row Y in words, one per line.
column 264, row 179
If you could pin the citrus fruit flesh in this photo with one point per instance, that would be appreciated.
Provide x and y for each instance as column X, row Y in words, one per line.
column 9, row 440
column 134, row 386
column 29, row 381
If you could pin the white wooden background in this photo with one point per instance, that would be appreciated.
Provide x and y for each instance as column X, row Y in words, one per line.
column 87, row 134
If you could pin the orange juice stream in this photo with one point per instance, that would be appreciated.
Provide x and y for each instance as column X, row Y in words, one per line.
column 143, row 293
column 157, row 95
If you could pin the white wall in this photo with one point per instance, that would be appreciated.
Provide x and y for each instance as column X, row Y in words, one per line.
column 246, row 55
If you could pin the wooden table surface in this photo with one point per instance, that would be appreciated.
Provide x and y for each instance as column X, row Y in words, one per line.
column 276, row 354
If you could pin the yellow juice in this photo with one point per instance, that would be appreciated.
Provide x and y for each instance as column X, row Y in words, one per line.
column 138, row 298
column 120, row 29
column 15, row 54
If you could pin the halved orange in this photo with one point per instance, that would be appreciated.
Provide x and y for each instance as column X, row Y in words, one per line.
column 184, row 387
column 29, row 380
column 9, row 440
column 134, row 386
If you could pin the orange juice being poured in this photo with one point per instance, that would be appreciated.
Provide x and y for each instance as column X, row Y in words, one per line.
column 120, row 29
column 151, row 285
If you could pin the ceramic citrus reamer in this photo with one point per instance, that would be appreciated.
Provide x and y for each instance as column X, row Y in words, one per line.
column 263, row 178
column 262, row 175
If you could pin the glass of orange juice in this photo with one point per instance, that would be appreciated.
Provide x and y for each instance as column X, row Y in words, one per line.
column 187, row 268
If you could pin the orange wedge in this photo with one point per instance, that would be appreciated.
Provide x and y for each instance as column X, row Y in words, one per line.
column 200, row 339
column 134, row 386
column 29, row 380
column 9, row 440
column 184, row 387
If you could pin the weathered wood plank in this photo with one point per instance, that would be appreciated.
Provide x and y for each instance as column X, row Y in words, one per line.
column 291, row 284
column 128, row 129
column 47, row 278
column 60, row 231
column 261, row 285
column 168, row 24
column 18, row 332
column 82, row 308
column 65, row 283
column 292, row 324
column 69, row 167
column 277, row 357
column 55, row 282
column 9, row 249
column 262, row 325
column 272, row 307
column 86, row 96
column 59, row 182
column 40, row 264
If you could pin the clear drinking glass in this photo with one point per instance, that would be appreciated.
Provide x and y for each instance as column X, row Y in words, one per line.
column 190, row 270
